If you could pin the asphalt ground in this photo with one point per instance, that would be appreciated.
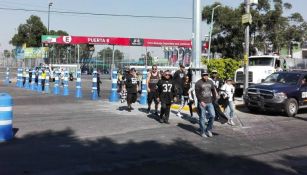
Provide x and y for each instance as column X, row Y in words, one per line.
column 62, row 135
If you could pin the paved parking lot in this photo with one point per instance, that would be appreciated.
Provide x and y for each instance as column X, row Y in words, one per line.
column 62, row 135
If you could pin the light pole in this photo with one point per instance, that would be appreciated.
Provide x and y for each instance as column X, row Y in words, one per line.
column 50, row 4
column 210, row 34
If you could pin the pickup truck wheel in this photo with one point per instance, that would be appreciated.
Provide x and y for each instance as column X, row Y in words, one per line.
column 291, row 107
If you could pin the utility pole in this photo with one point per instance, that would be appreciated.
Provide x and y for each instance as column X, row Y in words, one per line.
column 50, row 4
column 246, row 52
column 210, row 34
column 196, row 40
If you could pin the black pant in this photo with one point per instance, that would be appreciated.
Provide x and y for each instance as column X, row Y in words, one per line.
column 43, row 84
column 165, row 110
column 152, row 96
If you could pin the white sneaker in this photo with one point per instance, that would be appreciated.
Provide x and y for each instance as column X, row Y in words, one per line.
column 230, row 122
column 178, row 114
column 209, row 133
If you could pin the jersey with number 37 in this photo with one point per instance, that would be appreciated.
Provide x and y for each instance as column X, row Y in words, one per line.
column 166, row 91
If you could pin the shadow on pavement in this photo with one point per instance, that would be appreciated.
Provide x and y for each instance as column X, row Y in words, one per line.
column 62, row 152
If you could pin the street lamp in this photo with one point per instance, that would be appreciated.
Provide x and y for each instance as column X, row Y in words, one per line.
column 50, row 4
column 211, row 28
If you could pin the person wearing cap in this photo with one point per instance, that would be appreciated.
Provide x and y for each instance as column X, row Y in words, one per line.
column 205, row 93
column 216, row 80
column 166, row 94
column 227, row 92
column 131, row 87
column 152, row 95
column 178, row 78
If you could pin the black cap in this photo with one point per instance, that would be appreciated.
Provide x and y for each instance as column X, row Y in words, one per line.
column 204, row 72
column 132, row 70
column 181, row 65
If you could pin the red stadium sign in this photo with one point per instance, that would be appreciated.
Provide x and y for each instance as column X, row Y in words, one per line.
column 120, row 41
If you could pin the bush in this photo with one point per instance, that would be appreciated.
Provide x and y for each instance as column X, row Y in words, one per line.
column 225, row 67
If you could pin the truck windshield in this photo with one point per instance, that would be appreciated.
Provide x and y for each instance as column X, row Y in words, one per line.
column 261, row 61
column 284, row 78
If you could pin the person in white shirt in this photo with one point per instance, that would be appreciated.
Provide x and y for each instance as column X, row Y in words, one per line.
column 227, row 92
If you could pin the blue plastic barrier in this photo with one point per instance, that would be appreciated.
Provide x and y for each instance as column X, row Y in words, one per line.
column 66, row 89
column 39, row 84
column 78, row 85
column 114, row 97
column 19, row 78
column 94, row 86
column 7, row 76
column 47, row 84
column 143, row 99
column 56, row 88
column 6, row 117
column 33, row 84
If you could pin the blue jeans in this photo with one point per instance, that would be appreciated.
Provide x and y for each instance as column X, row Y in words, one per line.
column 230, row 109
column 207, row 114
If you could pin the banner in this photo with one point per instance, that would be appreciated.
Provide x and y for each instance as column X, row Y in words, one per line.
column 35, row 52
column 52, row 39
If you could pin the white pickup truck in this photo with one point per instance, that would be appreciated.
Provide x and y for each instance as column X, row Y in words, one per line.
column 259, row 68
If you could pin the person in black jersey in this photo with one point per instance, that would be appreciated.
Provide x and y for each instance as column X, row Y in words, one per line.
column 166, row 94
column 188, row 97
column 152, row 79
column 179, row 80
column 131, row 87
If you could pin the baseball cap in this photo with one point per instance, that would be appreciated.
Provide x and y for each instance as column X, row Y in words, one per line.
column 214, row 71
column 204, row 73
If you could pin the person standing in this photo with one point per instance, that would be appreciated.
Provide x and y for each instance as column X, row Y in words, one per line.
column 166, row 94
column 98, row 84
column 227, row 92
column 179, row 80
column 131, row 87
column 187, row 96
column 216, row 80
column 44, row 75
column 205, row 93
column 152, row 95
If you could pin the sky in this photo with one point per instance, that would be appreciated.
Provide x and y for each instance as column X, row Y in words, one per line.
column 114, row 26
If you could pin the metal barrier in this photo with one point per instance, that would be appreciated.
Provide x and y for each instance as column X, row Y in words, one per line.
column 6, row 117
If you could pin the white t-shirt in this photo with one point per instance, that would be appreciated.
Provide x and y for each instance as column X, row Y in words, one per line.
column 228, row 91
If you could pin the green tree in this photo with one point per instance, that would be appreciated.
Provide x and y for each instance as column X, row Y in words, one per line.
column 225, row 67
column 269, row 27
column 107, row 53
column 29, row 33
column 7, row 53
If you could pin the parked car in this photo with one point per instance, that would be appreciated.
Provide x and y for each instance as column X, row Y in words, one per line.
column 281, row 91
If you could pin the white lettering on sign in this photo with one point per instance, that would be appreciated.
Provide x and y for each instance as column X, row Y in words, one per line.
column 67, row 39
column 98, row 40
column 304, row 94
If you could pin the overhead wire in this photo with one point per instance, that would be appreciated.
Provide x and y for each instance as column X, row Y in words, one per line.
column 96, row 14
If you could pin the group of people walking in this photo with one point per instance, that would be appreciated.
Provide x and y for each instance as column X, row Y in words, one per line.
column 166, row 89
